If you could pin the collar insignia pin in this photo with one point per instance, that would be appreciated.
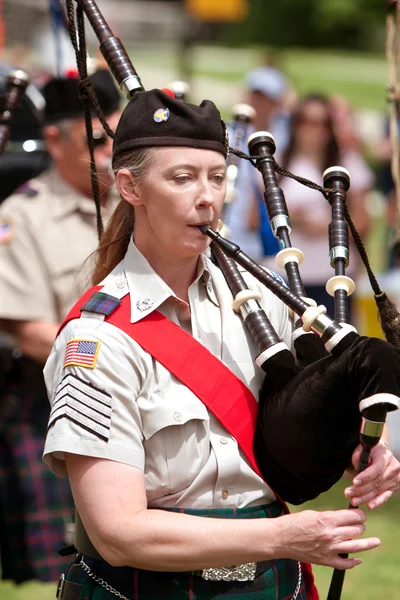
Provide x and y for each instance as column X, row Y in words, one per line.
column 144, row 304
column 161, row 115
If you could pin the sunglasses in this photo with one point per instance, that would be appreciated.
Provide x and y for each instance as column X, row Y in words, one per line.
column 313, row 122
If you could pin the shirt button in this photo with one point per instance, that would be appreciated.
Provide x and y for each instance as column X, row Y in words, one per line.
column 177, row 416
column 223, row 440
column 199, row 333
column 225, row 495
column 121, row 283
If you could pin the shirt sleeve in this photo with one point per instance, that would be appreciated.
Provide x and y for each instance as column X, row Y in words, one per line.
column 93, row 377
column 25, row 290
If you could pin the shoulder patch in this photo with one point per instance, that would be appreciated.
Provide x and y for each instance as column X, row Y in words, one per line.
column 6, row 231
column 27, row 190
column 101, row 303
column 81, row 353
column 84, row 404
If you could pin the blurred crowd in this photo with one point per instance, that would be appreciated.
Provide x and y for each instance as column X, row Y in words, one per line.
column 48, row 231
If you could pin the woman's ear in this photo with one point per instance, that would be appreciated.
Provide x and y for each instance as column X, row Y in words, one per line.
column 128, row 187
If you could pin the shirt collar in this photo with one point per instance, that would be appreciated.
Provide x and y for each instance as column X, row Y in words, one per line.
column 146, row 288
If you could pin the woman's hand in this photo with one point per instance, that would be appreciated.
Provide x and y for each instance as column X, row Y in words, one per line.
column 378, row 482
column 319, row 537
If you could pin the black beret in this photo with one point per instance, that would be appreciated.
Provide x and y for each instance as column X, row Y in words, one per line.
column 154, row 118
column 63, row 101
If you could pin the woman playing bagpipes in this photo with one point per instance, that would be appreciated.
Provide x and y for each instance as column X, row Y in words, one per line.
column 148, row 380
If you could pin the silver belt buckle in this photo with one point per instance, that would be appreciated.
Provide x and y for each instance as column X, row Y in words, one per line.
column 246, row 572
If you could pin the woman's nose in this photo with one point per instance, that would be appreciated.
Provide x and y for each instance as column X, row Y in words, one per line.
column 205, row 196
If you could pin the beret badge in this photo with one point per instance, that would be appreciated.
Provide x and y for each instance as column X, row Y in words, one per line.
column 161, row 115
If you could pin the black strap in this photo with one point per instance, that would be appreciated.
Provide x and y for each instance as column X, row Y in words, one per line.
column 82, row 541
column 68, row 590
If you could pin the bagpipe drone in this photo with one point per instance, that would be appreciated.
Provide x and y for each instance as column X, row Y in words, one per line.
column 16, row 83
column 315, row 409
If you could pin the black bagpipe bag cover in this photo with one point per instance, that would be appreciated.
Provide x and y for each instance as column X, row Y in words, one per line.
column 307, row 430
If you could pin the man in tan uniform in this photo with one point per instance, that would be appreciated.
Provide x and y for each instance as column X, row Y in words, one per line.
column 47, row 231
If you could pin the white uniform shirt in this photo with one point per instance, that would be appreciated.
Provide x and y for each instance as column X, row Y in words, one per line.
column 129, row 408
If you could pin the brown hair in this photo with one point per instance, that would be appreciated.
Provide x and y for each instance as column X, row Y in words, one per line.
column 115, row 239
column 330, row 154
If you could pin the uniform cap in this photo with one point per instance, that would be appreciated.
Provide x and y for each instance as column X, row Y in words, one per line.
column 153, row 118
column 267, row 80
column 63, row 101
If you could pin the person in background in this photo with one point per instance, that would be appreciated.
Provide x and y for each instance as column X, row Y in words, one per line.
column 312, row 148
column 48, row 229
column 247, row 218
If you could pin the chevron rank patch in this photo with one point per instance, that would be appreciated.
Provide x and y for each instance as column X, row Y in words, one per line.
column 82, row 353
column 84, row 404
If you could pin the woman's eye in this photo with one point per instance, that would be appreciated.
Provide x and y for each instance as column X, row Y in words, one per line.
column 182, row 178
column 219, row 178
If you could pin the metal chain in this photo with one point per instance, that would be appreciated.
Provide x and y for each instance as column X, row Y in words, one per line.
column 298, row 584
column 112, row 590
column 99, row 580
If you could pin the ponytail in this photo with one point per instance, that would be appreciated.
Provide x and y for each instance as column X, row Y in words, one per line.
column 114, row 241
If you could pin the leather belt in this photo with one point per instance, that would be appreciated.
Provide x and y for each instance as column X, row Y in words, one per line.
column 68, row 590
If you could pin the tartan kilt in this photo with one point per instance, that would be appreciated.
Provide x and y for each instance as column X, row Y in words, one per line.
column 35, row 505
column 276, row 583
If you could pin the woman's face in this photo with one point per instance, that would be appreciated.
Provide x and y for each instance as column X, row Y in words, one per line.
column 184, row 187
column 312, row 131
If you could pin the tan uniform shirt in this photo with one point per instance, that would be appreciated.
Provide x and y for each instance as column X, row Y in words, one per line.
column 127, row 407
column 48, row 231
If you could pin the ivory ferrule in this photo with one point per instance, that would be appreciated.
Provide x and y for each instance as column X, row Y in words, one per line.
column 288, row 255
column 312, row 319
column 244, row 296
column 340, row 282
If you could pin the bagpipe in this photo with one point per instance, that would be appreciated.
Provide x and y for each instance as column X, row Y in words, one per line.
column 16, row 83
column 316, row 407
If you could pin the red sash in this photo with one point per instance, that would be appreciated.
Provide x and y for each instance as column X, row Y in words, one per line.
column 224, row 394
column 220, row 390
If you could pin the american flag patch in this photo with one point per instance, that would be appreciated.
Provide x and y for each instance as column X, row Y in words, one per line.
column 82, row 353
column 5, row 232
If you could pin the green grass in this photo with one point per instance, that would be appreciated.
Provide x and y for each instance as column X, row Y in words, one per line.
column 361, row 78
column 378, row 578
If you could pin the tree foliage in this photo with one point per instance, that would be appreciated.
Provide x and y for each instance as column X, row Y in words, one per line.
column 312, row 23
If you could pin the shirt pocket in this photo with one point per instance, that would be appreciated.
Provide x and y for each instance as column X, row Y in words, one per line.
column 176, row 441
